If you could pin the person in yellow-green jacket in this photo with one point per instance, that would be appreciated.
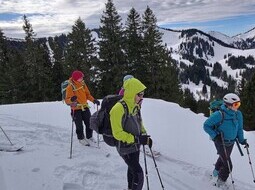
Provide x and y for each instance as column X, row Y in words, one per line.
column 129, row 131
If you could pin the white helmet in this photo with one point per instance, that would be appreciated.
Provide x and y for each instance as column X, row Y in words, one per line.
column 231, row 98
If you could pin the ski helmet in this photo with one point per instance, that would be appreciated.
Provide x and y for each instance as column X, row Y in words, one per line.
column 231, row 98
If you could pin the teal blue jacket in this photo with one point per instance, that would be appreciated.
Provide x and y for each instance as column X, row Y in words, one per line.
column 231, row 127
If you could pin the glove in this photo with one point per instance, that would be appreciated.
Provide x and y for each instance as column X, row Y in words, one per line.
column 144, row 140
column 217, row 138
column 73, row 104
column 73, row 98
column 74, row 101
column 244, row 142
column 96, row 102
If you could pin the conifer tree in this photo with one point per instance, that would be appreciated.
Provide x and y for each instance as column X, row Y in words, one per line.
column 134, row 44
column 248, row 104
column 16, row 79
column 168, row 84
column 12, row 73
column 152, row 52
column 189, row 101
column 38, row 66
column 112, row 58
column 160, row 76
column 4, row 74
column 80, row 50
column 58, row 74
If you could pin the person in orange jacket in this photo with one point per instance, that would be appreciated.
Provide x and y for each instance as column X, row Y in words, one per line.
column 77, row 95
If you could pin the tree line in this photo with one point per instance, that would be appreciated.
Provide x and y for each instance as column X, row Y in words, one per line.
column 33, row 70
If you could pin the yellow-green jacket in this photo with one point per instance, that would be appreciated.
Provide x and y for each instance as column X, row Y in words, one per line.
column 125, row 133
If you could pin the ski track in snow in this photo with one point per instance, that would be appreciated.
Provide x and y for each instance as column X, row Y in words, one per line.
column 82, row 172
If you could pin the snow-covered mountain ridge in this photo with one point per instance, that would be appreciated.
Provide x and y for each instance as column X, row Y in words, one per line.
column 188, row 46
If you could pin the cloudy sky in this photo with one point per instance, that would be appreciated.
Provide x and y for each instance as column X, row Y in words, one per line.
column 53, row 17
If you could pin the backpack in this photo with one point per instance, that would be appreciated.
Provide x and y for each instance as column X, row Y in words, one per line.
column 100, row 120
column 64, row 85
column 215, row 106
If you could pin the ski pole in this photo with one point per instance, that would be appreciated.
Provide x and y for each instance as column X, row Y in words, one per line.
column 146, row 171
column 71, row 149
column 248, row 153
column 227, row 157
column 239, row 148
column 157, row 169
column 97, row 134
column 6, row 136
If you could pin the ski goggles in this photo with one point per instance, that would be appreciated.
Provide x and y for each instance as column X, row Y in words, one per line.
column 140, row 94
column 236, row 105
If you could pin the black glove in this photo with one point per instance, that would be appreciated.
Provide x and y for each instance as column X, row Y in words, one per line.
column 73, row 98
column 74, row 101
column 144, row 140
column 217, row 138
column 244, row 142
column 96, row 102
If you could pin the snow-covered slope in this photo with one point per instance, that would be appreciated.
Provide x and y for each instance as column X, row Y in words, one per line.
column 247, row 35
column 223, row 37
column 45, row 131
column 214, row 47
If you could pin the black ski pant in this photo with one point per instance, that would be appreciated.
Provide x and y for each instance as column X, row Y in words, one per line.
column 79, row 117
column 222, row 162
column 135, row 172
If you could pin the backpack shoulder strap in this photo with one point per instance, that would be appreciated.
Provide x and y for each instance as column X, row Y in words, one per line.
column 123, row 103
column 222, row 118
column 71, row 83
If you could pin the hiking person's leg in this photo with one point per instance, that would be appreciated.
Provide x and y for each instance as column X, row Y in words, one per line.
column 219, row 162
column 224, row 170
column 86, row 119
column 132, row 160
column 130, row 176
column 78, row 124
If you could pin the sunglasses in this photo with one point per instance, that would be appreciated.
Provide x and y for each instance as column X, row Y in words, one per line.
column 140, row 94
column 236, row 105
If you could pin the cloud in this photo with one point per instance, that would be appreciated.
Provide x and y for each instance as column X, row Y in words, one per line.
column 52, row 17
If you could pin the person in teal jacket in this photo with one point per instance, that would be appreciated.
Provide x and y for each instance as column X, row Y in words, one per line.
column 130, row 132
column 225, row 124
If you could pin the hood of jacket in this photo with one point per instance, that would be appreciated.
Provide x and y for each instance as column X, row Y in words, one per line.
column 132, row 87
column 229, row 112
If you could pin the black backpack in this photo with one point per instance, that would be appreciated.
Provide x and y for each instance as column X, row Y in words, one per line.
column 100, row 120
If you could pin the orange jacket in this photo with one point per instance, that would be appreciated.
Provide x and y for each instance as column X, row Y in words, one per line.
column 80, row 90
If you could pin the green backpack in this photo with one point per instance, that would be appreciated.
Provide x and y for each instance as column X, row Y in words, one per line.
column 215, row 106
column 64, row 85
